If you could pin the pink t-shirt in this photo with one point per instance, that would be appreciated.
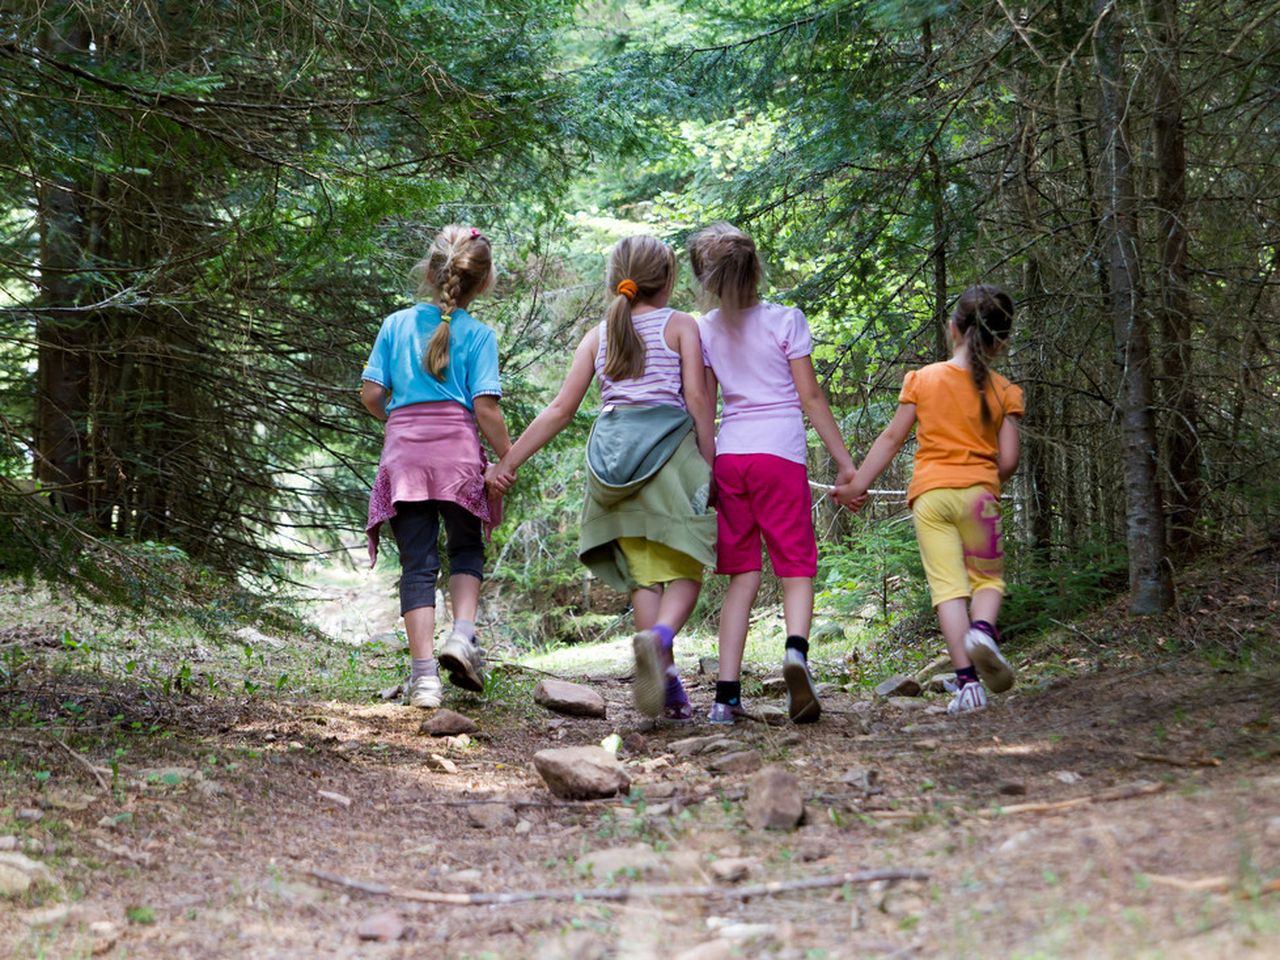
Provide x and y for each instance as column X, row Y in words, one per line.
column 751, row 359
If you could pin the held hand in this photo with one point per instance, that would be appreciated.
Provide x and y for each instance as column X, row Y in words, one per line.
column 846, row 475
column 848, row 495
column 499, row 478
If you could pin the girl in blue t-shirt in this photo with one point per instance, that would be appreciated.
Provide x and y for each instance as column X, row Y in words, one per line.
column 433, row 377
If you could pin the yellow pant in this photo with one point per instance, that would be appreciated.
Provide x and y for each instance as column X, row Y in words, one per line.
column 959, row 535
column 653, row 562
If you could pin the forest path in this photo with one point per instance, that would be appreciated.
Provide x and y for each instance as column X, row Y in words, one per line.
column 219, row 811
column 218, row 849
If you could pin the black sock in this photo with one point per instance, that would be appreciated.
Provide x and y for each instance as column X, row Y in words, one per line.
column 729, row 692
column 795, row 642
column 966, row 675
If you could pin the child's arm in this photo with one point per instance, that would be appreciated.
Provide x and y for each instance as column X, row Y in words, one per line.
column 374, row 397
column 491, row 423
column 881, row 453
column 814, row 402
column 558, row 413
column 1010, row 448
column 693, row 384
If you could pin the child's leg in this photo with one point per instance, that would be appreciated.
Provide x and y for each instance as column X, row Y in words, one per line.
column 416, row 526
column 645, row 604
column 984, row 563
column 465, row 539
column 797, row 605
column 953, row 618
column 986, row 605
column 734, row 616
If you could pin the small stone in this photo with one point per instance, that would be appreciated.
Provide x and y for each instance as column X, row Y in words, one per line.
column 468, row 876
column 939, row 664
column 340, row 799
column 491, row 816
column 770, row 715
column 723, row 745
column 1017, row 841
column 774, row 800
column 391, row 693
column 773, row 686
column 732, row 869
column 927, row 744
column 29, row 814
column 709, row 666
column 37, row 873
column 573, row 699
column 740, row 761
column 210, row 788
column 1011, row 788
column 581, row 773
column 899, row 685
column 524, row 827
column 384, row 927
column 444, row 764
column 861, row 778
column 105, row 934
column 1066, row 776
column 692, row 746
column 637, row 859
column 749, row 931
column 447, row 723
column 938, row 682
column 635, row 744
column 827, row 632
column 53, row 916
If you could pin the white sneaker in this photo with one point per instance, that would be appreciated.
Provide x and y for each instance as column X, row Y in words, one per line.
column 993, row 668
column 427, row 693
column 970, row 697
column 803, row 705
column 463, row 660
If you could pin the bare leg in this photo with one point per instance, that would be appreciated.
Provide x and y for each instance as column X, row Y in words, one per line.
column 986, row 604
column 678, row 600
column 797, row 605
column 734, row 617
column 953, row 617
column 645, row 603
column 464, row 596
column 420, row 625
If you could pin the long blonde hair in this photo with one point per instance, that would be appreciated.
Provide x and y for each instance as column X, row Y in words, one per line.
column 458, row 265
column 650, row 266
column 726, row 265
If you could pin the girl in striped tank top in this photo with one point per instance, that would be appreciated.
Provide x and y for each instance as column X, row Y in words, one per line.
column 646, row 525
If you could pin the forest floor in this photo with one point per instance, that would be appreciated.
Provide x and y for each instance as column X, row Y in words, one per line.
column 1125, row 803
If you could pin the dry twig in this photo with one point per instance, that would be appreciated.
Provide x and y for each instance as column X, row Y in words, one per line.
column 499, row 898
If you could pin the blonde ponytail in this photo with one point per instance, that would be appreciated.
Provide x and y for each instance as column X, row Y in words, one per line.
column 639, row 268
column 459, row 265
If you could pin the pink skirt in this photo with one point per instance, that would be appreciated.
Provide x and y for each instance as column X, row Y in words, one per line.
column 431, row 451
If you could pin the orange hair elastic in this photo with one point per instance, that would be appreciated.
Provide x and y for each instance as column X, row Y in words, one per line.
column 628, row 289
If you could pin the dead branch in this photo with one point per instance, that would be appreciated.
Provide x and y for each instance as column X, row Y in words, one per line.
column 628, row 892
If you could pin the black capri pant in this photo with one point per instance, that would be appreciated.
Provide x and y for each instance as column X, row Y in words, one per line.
column 416, row 526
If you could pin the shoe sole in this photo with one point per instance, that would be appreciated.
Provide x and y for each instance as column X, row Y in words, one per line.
column 803, row 705
column 991, row 666
column 461, row 671
column 648, row 688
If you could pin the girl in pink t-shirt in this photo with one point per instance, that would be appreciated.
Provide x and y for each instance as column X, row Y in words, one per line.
column 758, row 355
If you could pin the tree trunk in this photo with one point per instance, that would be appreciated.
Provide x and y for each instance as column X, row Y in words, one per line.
column 1182, row 439
column 62, row 330
column 937, row 191
column 1150, row 586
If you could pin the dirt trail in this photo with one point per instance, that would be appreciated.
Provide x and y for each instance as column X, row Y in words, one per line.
column 221, row 812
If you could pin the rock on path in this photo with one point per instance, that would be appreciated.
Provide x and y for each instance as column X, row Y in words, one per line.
column 447, row 723
column 573, row 699
column 581, row 773
column 774, row 800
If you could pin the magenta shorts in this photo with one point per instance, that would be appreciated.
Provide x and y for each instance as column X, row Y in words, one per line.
column 763, row 495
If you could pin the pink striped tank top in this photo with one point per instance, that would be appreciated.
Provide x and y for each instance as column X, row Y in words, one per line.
column 661, row 382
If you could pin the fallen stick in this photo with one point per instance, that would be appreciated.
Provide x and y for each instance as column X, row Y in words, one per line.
column 1210, row 885
column 83, row 761
column 1176, row 762
column 1142, row 788
column 498, row 898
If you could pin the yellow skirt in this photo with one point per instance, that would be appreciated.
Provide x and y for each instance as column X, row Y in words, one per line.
column 653, row 563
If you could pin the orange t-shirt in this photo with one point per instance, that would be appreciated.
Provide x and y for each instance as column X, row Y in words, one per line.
column 954, row 448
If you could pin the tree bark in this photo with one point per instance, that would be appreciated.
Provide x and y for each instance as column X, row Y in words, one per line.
column 1175, row 319
column 937, row 191
column 1150, row 585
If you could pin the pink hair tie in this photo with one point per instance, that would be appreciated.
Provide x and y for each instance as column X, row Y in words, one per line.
column 474, row 233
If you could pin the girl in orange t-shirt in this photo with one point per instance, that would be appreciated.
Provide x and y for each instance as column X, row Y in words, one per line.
column 966, row 446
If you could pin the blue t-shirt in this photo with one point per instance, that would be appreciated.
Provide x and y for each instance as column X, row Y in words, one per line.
column 396, row 360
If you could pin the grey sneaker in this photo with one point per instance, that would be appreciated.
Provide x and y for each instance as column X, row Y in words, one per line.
column 802, row 697
column 992, row 667
column 650, row 685
column 427, row 693
column 726, row 713
column 462, row 658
